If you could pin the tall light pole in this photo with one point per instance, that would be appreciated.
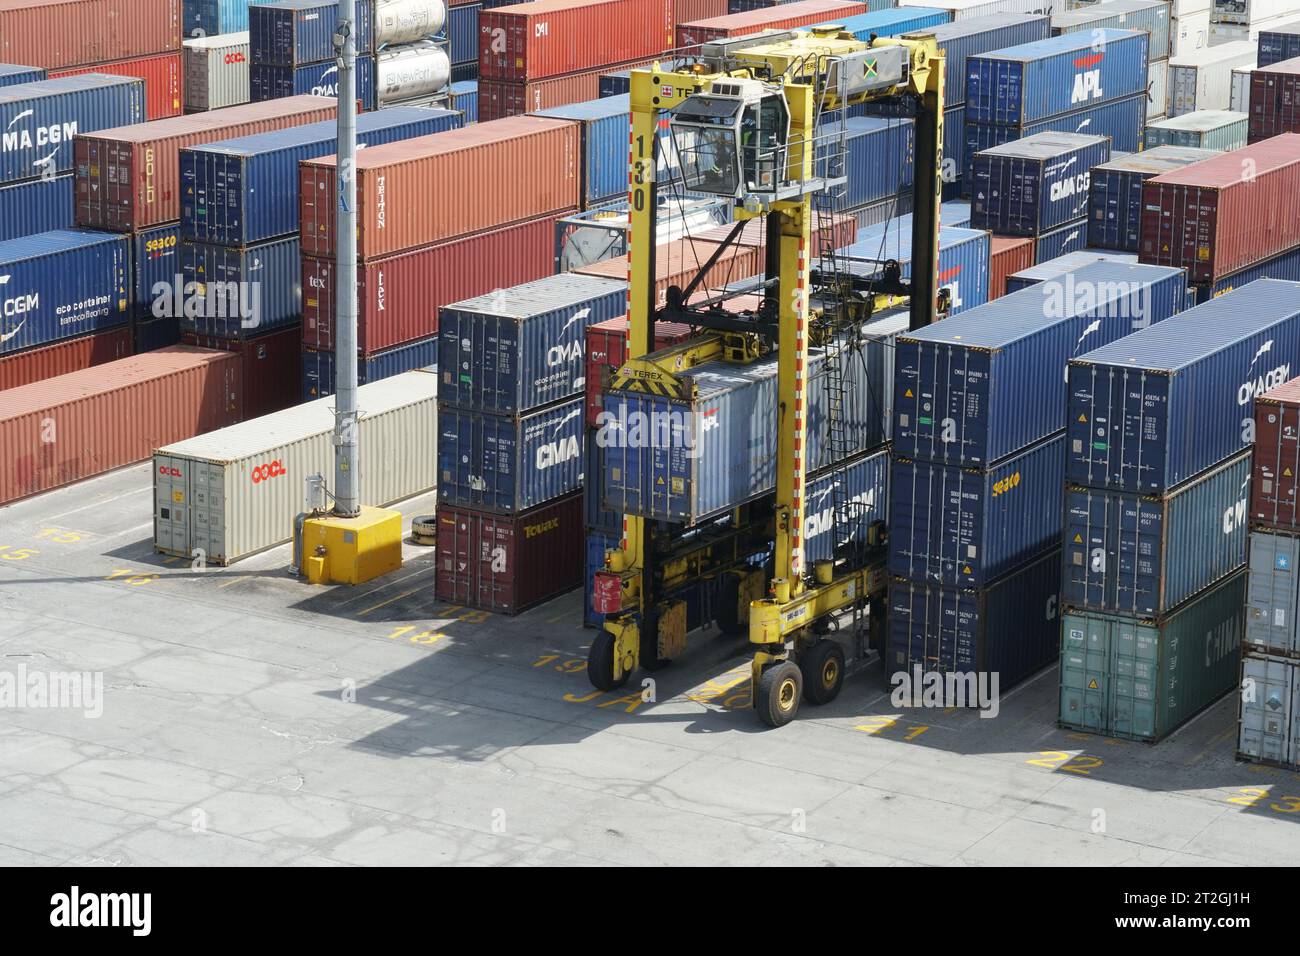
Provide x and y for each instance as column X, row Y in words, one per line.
column 347, row 477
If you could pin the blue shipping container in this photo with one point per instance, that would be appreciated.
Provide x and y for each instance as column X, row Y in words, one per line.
column 963, row 257
column 605, row 124
column 38, row 205
column 878, row 160
column 1115, row 192
column 890, row 23
column 1148, row 413
column 1027, row 187
column 954, row 147
column 241, row 292
column 464, row 97
column 62, row 284
column 205, row 18
column 1150, row 15
column 235, row 192
column 39, row 120
column 863, row 485
column 1062, row 241
column 620, row 83
column 156, row 271
column 462, row 33
column 1010, row 629
column 148, row 334
column 594, row 515
column 294, row 32
column 955, row 213
column 1140, row 555
column 969, row 37
column 1062, row 74
column 1280, row 43
column 318, row 367
column 12, row 74
column 966, row 527
column 1059, row 266
column 598, row 542
column 505, row 463
column 1286, row 266
column 522, row 347
column 975, row 388
column 267, row 82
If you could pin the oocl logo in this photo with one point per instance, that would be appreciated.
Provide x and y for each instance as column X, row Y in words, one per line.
column 169, row 472
column 273, row 469
column 236, row 57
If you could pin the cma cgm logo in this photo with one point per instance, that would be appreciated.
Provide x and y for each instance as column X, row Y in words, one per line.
column 325, row 88
column 23, row 137
column 16, row 307
column 1087, row 84
column 273, row 469
column 558, row 450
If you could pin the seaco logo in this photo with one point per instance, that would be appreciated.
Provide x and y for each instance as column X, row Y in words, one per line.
column 272, row 469
column 1087, row 82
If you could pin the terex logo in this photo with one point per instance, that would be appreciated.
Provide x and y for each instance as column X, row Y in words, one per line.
column 24, row 138
column 272, row 469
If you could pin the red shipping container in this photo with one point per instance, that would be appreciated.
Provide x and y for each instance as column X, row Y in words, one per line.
column 64, row 429
column 1007, row 256
column 64, row 33
column 420, row 191
column 785, row 17
column 689, row 11
column 129, row 177
column 398, row 297
column 679, row 261
column 509, row 563
column 1277, row 457
column 70, row 355
column 162, row 75
column 498, row 99
column 1274, row 100
column 272, row 368
column 1226, row 213
column 531, row 41
column 607, row 350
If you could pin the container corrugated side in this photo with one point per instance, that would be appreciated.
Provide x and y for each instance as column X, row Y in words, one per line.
column 235, row 492
column 1202, row 79
column 1062, row 241
column 1278, row 43
column 963, row 258
column 1150, row 412
column 155, row 265
column 216, row 71
column 272, row 369
column 70, row 355
column 318, row 367
column 968, row 9
column 462, row 33
column 1275, row 100
column 1269, row 725
column 464, row 97
column 266, row 82
column 206, row 18
column 1273, row 489
column 1026, row 187
column 163, row 76
column 890, row 22
column 863, row 486
column 294, row 32
column 977, row 387
column 1115, row 192
column 499, row 99
column 1142, row 679
column 802, row 13
column 241, row 291
column 64, row 33
column 1284, row 266
column 1273, row 593
column 1059, row 266
column 965, row 38
column 605, row 127
column 11, row 74
column 1007, row 255
column 1202, row 129
column 38, row 205
column 878, row 158
column 1153, row 16
column 606, row 347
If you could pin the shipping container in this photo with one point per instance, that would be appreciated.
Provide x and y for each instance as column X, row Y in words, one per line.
column 1272, row 593
column 688, row 11
column 70, row 355
column 1189, row 31
column 1203, row 129
column 241, row 191
column 272, row 368
column 1277, row 457
column 1157, row 90
column 802, row 13
column 606, row 348
column 974, row 388
column 75, row 426
column 1202, row 79
column 595, row 517
column 1148, row 413
column 216, row 71
column 464, row 98
column 861, row 486
column 12, row 74
column 1115, row 192
column 1275, row 100
column 129, row 177
column 1007, row 255
column 1007, row 631
column 1269, row 727
column 1212, row 220
column 318, row 367
column 1027, row 187
column 1249, row 11
column 531, row 41
column 157, row 280
column 240, row 292
column 954, row 213
column 1149, row 15
column 38, row 205
column 293, row 32
column 878, row 157
column 150, row 334
column 1278, row 43
column 509, row 464
column 972, row 36
column 509, row 563
column 206, row 18
column 1070, row 262
column 236, row 491
column 676, row 263
column 432, row 188
column 888, row 22
column 163, row 76
column 499, row 99
column 315, row 79
column 605, row 125
column 968, row 9
column 398, row 297
column 62, row 33
column 1239, row 98
column 619, row 82
column 1142, row 555
column 1141, row 679
column 1062, row 241
column 516, row 349
column 1284, row 266
column 963, row 267
column 462, row 33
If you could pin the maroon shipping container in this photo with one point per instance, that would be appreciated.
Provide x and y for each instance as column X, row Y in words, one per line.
column 272, row 368
column 785, row 17
column 417, row 192
column 1007, row 256
column 1274, row 100
column 398, row 297
column 678, row 262
column 498, row 99
column 129, row 177
column 64, row 429
column 1220, row 215
column 162, row 74
column 607, row 350
column 1277, row 457
column 509, row 563
column 63, row 33
column 531, row 41
column 70, row 355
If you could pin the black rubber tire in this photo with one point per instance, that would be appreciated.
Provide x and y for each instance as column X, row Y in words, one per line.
column 822, row 666
column 424, row 530
column 776, row 698
column 600, row 663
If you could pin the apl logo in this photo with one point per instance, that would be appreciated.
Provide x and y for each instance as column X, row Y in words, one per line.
column 1087, row 84
column 273, row 469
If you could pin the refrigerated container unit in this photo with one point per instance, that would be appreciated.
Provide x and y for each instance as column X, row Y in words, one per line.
column 163, row 75
column 1273, row 487
column 1202, row 79
column 12, row 74
column 1070, row 262
column 270, row 82
column 967, row 37
column 37, row 205
column 1168, row 402
column 235, row 492
column 963, row 265
column 1203, row 129
column 157, row 283
column 1274, row 92
column 295, row 32
column 69, row 33
column 318, row 367
column 1278, row 43
column 1189, row 30
column 1283, row 266
column 61, row 358
column 975, row 388
column 1269, row 715
column 1007, row 256
column 1027, row 187
column 1152, row 16
column 1239, row 98
column 464, row 99
column 272, row 368
column 1115, row 192
column 241, row 291
column 1272, row 593
column 206, row 18
column 787, row 16
column 216, row 71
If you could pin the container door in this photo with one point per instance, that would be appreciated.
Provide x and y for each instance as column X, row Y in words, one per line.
column 1270, row 708
column 172, row 504
column 1085, row 672
column 1134, row 666
column 1271, row 599
column 208, row 508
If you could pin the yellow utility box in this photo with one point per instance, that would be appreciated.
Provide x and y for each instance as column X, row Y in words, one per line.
column 351, row 550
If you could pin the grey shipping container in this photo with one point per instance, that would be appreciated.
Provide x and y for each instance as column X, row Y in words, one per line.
column 1272, row 593
column 1140, row 679
column 1203, row 129
column 1269, row 726
column 863, row 486
column 1149, row 15
column 1202, row 79
column 1141, row 556
column 234, row 492
column 966, row 527
column 1149, row 412
column 977, row 387
column 216, row 71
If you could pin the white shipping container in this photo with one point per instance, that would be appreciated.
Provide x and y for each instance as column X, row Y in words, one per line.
column 234, row 492
column 1239, row 101
column 965, row 9
column 1269, row 723
column 1177, row 8
column 216, row 71
column 1203, row 80
column 1250, row 11
column 1189, row 32
column 1230, row 32
column 1157, row 89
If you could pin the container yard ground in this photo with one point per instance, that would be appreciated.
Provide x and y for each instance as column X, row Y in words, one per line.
column 226, row 737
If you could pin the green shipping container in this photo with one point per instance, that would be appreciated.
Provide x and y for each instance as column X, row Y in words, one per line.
column 1142, row 679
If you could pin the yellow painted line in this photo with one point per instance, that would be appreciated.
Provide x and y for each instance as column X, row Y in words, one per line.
column 389, row 601
column 242, row 577
column 1231, row 731
column 387, row 584
column 561, row 617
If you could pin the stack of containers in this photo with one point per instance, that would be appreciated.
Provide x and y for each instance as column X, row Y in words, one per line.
column 440, row 218
column 604, row 126
column 786, row 16
column 1037, row 188
column 462, row 40
column 1158, row 435
column 291, row 50
column 1274, row 104
column 978, row 466
column 510, row 433
column 128, row 181
column 1115, row 192
column 216, row 71
column 1235, row 20
column 1270, row 661
column 1203, row 129
column 1153, row 16
column 1278, row 43
column 1202, row 79
column 206, row 18
column 239, row 224
column 1093, row 82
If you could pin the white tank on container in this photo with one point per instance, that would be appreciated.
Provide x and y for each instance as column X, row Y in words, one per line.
column 405, row 21
column 413, row 70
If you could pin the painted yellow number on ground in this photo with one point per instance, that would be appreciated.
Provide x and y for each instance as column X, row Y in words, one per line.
column 1059, row 760
column 60, row 536
column 1257, row 796
column 422, row 637
column 10, row 553
column 875, row 725
column 131, row 577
